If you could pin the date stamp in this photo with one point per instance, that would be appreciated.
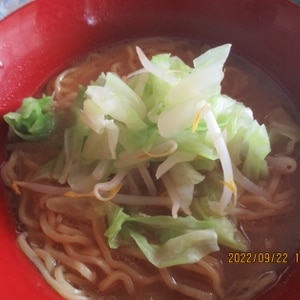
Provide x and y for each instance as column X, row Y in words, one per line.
column 297, row 257
column 259, row 257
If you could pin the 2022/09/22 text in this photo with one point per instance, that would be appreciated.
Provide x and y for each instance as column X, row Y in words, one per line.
column 262, row 257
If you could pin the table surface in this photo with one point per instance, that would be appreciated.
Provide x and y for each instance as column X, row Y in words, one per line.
column 8, row 6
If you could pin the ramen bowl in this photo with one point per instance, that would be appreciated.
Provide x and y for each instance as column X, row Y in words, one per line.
column 43, row 37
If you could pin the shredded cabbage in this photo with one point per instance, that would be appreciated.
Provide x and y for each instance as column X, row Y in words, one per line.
column 174, row 116
column 34, row 120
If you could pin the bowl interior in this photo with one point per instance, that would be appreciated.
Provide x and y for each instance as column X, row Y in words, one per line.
column 39, row 39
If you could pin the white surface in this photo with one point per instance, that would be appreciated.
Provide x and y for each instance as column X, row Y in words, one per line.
column 8, row 6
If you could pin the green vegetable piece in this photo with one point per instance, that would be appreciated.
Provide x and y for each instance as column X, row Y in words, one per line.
column 35, row 119
column 165, row 241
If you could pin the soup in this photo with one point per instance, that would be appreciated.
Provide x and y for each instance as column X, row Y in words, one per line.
column 120, row 201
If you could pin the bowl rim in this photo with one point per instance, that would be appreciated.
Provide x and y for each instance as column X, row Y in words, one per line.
column 29, row 14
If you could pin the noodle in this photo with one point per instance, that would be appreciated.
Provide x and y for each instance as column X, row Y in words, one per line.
column 88, row 258
column 184, row 289
column 72, row 263
column 118, row 264
column 49, row 260
column 248, row 289
column 47, row 225
column 23, row 215
column 116, row 276
column 62, row 287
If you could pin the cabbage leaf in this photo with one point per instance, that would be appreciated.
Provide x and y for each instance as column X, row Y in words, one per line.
column 165, row 241
column 34, row 120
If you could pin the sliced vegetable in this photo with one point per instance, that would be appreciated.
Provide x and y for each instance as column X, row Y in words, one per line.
column 35, row 119
column 164, row 241
column 169, row 123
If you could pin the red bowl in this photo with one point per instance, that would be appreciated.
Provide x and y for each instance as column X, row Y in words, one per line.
column 45, row 35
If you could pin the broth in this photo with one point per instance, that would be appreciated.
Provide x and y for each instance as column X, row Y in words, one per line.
column 234, row 275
